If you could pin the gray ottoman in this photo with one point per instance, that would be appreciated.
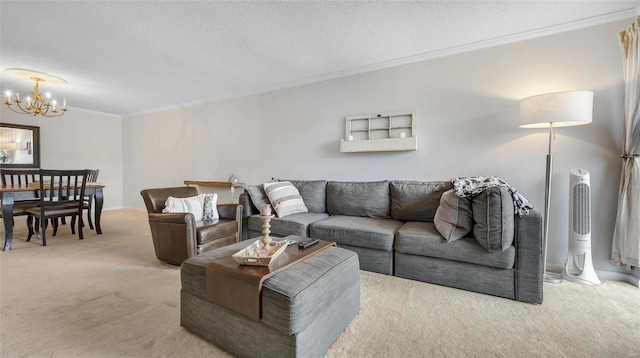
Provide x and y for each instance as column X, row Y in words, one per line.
column 305, row 308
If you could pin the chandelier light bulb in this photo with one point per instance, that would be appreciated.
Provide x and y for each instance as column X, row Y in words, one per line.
column 37, row 103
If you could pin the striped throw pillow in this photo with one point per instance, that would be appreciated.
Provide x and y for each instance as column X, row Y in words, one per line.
column 285, row 198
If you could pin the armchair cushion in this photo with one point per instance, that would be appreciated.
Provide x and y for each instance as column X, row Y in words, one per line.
column 209, row 230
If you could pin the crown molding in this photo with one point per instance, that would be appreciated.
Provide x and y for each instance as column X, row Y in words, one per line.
column 547, row 31
column 91, row 111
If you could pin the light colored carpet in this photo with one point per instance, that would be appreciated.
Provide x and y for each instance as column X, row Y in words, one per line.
column 108, row 296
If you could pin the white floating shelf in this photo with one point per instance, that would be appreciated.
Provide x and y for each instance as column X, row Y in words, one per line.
column 383, row 132
column 379, row 145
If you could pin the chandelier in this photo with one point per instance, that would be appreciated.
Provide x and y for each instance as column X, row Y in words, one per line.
column 37, row 103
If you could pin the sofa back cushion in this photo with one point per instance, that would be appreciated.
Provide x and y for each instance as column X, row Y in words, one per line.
column 314, row 194
column 366, row 199
column 493, row 213
column 258, row 196
column 416, row 200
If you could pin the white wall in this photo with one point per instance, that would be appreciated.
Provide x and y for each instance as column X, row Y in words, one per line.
column 80, row 140
column 468, row 125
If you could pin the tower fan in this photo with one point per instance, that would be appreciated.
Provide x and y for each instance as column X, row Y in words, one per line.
column 579, row 265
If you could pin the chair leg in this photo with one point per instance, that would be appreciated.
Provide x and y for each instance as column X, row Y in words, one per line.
column 80, row 225
column 63, row 220
column 54, row 224
column 73, row 225
column 30, row 227
column 43, row 231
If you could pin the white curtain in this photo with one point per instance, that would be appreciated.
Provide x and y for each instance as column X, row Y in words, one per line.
column 625, row 249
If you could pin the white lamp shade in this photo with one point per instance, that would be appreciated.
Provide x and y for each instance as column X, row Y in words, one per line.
column 561, row 108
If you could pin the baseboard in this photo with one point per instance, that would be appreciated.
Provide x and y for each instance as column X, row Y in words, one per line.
column 618, row 276
column 604, row 275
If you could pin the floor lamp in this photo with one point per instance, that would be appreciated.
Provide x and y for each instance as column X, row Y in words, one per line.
column 551, row 110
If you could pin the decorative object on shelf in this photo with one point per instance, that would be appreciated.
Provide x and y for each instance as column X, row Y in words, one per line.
column 37, row 103
column 383, row 132
column 560, row 109
column 232, row 184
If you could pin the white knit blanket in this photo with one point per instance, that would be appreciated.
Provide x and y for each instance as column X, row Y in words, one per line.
column 470, row 186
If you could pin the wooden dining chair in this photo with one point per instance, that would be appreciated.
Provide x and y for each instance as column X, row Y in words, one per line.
column 61, row 195
column 13, row 177
column 92, row 177
column 20, row 177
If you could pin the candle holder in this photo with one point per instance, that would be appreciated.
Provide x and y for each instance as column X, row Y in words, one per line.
column 266, row 225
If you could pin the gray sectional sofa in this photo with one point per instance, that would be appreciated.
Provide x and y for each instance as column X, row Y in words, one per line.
column 390, row 225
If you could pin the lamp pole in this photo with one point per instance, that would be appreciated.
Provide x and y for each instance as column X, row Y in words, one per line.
column 548, row 277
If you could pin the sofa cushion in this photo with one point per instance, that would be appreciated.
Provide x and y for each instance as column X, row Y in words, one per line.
column 493, row 213
column 454, row 217
column 294, row 224
column 357, row 231
column 367, row 199
column 314, row 194
column 284, row 198
column 257, row 195
column 416, row 200
column 422, row 239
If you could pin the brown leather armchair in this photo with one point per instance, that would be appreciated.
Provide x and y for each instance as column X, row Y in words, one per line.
column 178, row 236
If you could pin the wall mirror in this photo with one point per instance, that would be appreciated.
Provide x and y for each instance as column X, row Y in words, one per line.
column 19, row 146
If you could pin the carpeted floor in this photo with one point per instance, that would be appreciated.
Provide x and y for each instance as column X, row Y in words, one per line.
column 108, row 296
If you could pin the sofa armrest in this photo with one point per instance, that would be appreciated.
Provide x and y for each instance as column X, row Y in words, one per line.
column 529, row 267
column 248, row 209
column 174, row 236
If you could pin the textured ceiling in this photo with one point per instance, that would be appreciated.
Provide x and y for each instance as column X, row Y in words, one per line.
column 125, row 57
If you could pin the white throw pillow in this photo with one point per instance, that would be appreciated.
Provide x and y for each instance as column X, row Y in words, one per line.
column 210, row 209
column 194, row 205
column 285, row 198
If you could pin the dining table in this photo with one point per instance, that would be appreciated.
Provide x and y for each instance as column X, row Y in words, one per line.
column 9, row 194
